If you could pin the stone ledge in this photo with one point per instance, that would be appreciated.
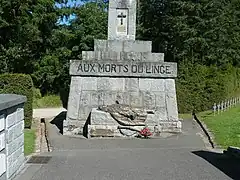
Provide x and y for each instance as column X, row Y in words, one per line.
column 122, row 56
column 10, row 100
column 122, row 45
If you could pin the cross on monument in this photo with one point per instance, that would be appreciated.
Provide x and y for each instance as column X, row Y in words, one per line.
column 122, row 19
column 121, row 16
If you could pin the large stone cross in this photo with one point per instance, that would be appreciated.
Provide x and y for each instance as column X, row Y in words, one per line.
column 122, row 20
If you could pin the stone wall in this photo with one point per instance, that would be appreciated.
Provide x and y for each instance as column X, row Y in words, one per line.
column 152, row 94
column 11, row 135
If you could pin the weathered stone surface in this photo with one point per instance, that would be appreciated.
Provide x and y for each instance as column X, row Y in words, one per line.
column 173, row 127
column 130, row 56
column 135, row 99
column 121, row 55
column 116, row 46
column 172, row 106
column 2, row 141
column 18, row 153
column 94, row 98
column 128, row 133
column 102, row 131
column 107, row 84
column 84, row 112
column 85, row 98
column 160, row 98
column 149, row 100
column 109, row 98
column 170, row 85
column 100, row 45
column 137, row 46
column 122, row 97
column 20, row 114
column 13, row 168
column 126, row 46
column 152, row 85
column 131, row 84
column 10, row 119
column 161, row 113
column 2, row 164
column 89, row 83
column 125, row 115
column 2, row 122
column 15, row 131
column 157, row 56
column 74, row 97
column 101, row 118
column 152, row 119
column 13, row 146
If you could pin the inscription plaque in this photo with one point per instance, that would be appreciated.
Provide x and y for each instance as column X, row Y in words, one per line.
column 123, row 69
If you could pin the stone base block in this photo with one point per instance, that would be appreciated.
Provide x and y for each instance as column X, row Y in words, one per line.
column 103, row 131
column 101, row 118
column 171, row 127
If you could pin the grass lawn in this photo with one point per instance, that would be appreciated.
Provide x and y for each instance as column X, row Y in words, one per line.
column 47, row 102
column 29, row 141
column 225, row 126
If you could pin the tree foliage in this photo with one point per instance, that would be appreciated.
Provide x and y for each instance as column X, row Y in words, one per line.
column 203, row 37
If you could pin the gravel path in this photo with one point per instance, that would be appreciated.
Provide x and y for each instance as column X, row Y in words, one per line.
column 47, row 112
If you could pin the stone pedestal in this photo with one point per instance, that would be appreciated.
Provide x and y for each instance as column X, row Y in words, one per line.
column 149, row 92
column 124, row 70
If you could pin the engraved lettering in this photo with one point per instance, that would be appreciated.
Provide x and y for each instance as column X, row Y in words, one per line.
column 107, row 68
column 80, row 68
column 92, row 68
column 156, row 69
column 162, row 71
column 168, row 70
column 140, row 69
column 113, row 68
column 125, row 68
column 148, row 69
column 100, row 67
column 86, row 67
column 134, row 68
column 119, row 68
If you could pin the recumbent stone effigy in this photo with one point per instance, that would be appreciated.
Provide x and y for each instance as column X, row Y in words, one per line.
column 121, row 87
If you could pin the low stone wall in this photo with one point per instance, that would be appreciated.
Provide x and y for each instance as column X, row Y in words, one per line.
column 11, row 135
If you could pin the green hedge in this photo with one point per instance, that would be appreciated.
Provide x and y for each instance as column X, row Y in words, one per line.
column 199, row 86
column 19, row 84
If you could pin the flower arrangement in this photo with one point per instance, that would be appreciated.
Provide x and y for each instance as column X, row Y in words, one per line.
column 145, row 132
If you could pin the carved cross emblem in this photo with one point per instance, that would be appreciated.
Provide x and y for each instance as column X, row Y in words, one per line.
column 121, row 16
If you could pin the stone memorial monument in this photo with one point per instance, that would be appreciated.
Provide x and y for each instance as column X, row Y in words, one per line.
column 121, row 87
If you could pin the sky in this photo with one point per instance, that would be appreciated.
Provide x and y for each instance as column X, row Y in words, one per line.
column 70, row 3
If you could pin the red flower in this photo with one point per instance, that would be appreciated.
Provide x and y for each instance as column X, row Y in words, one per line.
column 145, row 132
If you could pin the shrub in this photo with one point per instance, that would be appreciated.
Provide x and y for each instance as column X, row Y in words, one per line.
column 36, row 93
column 200, row 86
column 19, row 84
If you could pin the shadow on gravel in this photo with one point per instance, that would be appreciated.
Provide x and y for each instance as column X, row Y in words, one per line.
column 228, row 165
column 58, row 121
